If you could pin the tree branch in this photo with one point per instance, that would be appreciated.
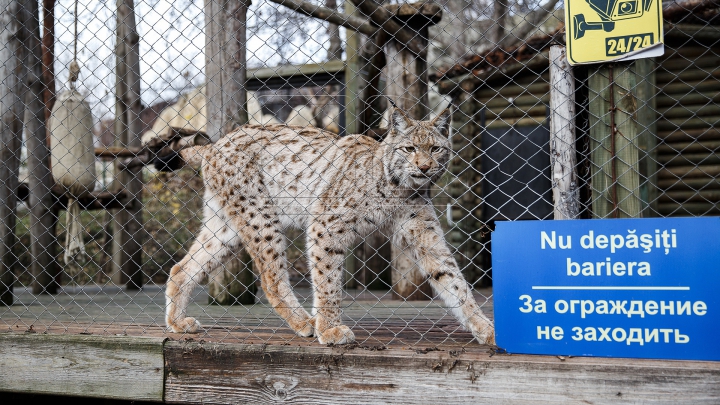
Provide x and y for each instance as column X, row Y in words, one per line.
column 531, row 21
column 323, row 13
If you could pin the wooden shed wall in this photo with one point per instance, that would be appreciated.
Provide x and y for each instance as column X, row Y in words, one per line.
column 688, row 82
column 687, row 154
column 521, row 100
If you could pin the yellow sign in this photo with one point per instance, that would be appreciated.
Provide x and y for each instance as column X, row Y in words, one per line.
column 609, row 30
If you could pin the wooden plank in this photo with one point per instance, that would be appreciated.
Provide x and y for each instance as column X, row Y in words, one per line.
column 374, row 317
column 309, row 69
column 120, row 367
column 261, row 374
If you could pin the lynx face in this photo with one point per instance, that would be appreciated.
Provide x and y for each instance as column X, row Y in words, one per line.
column 420, row 150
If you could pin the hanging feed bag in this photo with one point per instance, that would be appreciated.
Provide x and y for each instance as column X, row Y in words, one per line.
column 73, row 161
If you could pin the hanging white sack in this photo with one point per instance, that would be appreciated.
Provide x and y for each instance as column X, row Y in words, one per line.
column 73, row 160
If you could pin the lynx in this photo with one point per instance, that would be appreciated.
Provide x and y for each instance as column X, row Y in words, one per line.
column 260, row 181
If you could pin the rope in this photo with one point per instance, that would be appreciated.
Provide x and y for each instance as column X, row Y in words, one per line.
column 74, row 66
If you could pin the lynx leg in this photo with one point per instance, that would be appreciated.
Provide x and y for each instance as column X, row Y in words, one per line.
column 421, row 234
column 210, row 249
column 326, row 261
column 266, row 244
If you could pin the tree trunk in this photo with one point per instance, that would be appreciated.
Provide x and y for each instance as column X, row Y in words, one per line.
column 225, row 72
column 43, row 219
column 11, row 114
column 407, row 85
column 128, row 231
column 335, row 50
column 226, row 68
column 563, row 158
column 499, row 18
column 48, row 57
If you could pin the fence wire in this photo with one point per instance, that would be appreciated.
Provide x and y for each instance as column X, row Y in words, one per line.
column 219, row 135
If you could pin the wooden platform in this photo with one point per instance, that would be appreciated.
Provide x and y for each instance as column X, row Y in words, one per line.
column 110, row 343
column 375, row 318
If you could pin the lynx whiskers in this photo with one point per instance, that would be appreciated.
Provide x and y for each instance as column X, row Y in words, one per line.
column 260, row 181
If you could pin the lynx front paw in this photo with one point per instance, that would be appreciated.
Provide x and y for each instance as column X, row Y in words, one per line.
column 486, row 337
column 484, row 333
column 187, row 325
column 306, row 331
column 338, row 335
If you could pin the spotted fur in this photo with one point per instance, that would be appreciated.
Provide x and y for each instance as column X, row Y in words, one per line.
column 260, row 181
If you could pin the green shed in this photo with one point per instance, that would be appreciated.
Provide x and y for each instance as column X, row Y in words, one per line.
column 502, row 100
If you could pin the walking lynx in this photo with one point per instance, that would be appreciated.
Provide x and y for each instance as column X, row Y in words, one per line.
column 262, row 180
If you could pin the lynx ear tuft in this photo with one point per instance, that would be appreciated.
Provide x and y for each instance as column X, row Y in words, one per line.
column 398, row 120
column 442, row 122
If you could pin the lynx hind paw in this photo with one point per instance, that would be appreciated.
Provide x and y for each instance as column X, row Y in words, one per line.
column 187, row 325
column 338, row 335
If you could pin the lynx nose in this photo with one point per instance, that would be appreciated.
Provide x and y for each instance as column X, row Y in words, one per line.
column 424, row 168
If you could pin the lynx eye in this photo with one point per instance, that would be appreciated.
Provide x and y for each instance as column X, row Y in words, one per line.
column 408, row 149
column 436, row 149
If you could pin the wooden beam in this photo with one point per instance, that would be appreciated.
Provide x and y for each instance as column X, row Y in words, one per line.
column 133, row 369
column 646, row 116
column 614, row 141
column 262, row 374
column 566, row 193
column 383, row 18
column 309, row 69
column 96, row 200
column 117, row 367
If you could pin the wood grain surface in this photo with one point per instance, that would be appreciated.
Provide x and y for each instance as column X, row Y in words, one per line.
column 119, row 367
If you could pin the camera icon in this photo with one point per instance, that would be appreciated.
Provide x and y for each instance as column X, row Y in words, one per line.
column 609, row 11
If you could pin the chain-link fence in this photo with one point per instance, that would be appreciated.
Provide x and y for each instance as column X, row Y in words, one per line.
column 198, row 172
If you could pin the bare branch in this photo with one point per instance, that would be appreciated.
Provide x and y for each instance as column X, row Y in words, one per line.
column 531, row 21
column 332, row 16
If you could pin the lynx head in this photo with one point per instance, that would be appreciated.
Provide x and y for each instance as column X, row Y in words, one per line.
column 417, row 152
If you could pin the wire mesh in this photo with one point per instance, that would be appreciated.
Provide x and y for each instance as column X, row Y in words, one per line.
column 345, row 230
